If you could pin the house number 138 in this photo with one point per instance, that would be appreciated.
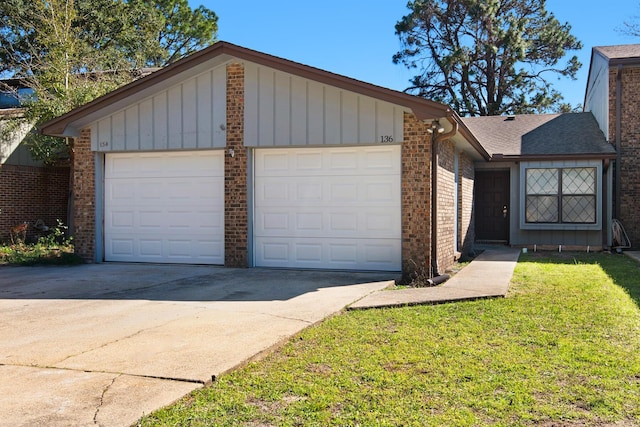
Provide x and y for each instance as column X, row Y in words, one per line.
column 386, row 138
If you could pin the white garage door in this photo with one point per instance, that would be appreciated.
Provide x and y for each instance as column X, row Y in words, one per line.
column 165, row 207
column 330, row 207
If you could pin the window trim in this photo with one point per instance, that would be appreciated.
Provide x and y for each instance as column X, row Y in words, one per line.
column 524, row 166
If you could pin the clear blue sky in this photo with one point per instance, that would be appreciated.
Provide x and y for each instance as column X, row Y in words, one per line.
column 356, row 38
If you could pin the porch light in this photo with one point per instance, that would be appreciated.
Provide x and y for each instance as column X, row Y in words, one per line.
column 435, row 127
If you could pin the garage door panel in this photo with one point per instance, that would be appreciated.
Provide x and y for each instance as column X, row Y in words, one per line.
column 350, row 161
column 344, row 222
column 328, row 207
column 177, row 216
column 349, row 254
column 362, row 191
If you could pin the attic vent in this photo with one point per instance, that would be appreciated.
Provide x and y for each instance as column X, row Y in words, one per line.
column 510, row 118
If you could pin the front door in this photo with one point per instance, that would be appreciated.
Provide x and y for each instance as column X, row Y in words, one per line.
column 492, row 206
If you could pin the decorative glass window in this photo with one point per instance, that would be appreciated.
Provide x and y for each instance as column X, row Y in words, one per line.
column 561, row 195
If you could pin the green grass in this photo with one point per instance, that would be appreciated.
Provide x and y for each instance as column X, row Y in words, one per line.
column 563, row 349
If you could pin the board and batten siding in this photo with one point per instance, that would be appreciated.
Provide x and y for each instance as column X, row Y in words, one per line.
column 187, row 116
column 282, row 109
column 597, row 98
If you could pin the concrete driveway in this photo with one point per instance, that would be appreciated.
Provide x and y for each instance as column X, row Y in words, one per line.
column 104, row 344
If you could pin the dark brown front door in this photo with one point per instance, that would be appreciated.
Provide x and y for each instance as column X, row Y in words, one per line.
column 492, row 206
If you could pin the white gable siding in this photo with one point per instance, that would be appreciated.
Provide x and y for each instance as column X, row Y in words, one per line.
column 285, row 110
column 597, row 95
column 189, row 115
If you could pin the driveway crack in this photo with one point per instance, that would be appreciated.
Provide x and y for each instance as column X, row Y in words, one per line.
column 101, row 403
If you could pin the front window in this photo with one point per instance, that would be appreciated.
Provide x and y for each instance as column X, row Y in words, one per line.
column 561, row 195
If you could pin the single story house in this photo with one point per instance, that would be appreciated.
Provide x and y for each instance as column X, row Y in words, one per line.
column 239, row 158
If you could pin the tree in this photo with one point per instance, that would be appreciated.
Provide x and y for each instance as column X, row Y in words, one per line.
column 70, row 52
column 486, row 57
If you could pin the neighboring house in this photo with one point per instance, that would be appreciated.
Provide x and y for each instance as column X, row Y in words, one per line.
column 238, row 158
column 548, row 182
column 28, row 190
column 613, row 96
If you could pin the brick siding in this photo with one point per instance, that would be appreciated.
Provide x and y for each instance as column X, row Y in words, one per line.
column 29, row 193
column 84, row 204
column 629, row 148
column 466, row 230
column 446, row 206
column 236, row 228
column 416, row 198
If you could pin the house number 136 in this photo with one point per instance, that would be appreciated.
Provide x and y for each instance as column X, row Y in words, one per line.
column 386, row 138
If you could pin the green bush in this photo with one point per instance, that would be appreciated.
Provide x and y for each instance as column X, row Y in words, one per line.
column 53, row 248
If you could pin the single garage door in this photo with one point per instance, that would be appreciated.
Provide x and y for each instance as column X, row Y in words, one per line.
column 165, row 207
column 328, row 208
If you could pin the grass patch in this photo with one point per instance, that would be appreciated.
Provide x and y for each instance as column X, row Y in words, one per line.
column 562, row 350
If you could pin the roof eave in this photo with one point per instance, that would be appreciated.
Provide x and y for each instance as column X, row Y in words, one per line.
column 550, row 157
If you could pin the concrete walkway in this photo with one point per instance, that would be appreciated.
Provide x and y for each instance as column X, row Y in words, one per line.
column 487, row 276
column 633, row 254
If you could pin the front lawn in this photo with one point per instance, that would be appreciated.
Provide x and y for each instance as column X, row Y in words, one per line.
column 562, row 350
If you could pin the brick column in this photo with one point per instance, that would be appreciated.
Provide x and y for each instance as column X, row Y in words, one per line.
column 84, row 194
column 416, row 198
column 235, row 171
column 446, row 205
column 466, row 232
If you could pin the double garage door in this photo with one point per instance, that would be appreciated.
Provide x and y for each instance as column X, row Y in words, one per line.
column 325, row 208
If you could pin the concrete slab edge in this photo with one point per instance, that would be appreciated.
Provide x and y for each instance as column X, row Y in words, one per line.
column 356, row 306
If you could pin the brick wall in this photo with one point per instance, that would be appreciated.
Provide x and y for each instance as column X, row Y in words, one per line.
column 630, row 148
column 84, row 215
column 416, row 197
column 446, row 205
column 30, row 193
column 236, row 228
column 466, row 231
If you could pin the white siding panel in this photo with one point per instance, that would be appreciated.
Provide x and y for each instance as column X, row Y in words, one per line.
column 315, row 114
column 104, row 133
column 219, row 102
column 146, row 124
column 367, row 118
column 132, row 128
column 327, row 207
column 118, row 131
column 283, row 108
column 299, row 123
column 266, row 108
column 332, row 116
column 175, row 118
column 349, row 118
column 204, row 111
column 252, row 105
column 286, row 110
column 165, row 207
column 188, row 115
column 160, row 120
column 597, row 97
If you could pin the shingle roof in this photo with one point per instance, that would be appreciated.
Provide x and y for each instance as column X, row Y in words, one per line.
column 624, row 51
column 531, row 135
